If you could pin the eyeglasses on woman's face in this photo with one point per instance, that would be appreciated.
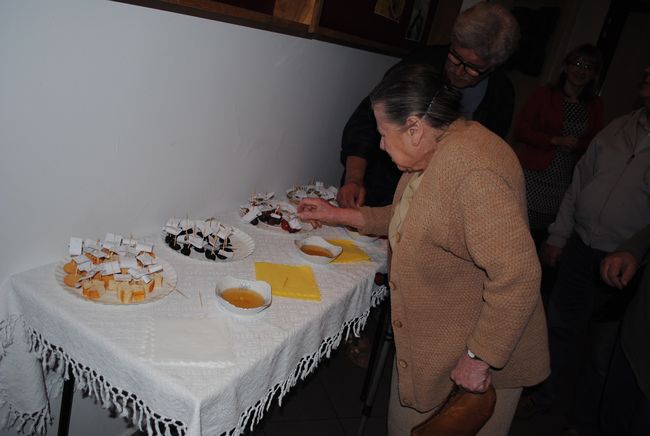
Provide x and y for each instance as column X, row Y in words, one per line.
column 583, row 64
column 470, row 69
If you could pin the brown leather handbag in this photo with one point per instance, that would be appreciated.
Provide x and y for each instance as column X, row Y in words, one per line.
column 461, row 414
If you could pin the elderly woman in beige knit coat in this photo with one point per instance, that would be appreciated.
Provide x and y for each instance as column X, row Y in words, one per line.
column 464, row 276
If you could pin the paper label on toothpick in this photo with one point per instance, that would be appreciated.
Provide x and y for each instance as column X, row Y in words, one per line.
column 91, row 244
column 173, row 222
column 110, row 268
column 81, row 259
column 196, row 241
column 86, row 266
column 123, row 277
column 154, row 268
column 128, row 262
column 224, row 232
column 129, row 242
column 173, row 230
column 99, row 254
column 253, row 213
column 147, row 248
column 138, row 272
column 146, row 259
column 225, row 253
column 76, row 245
column 146, row 278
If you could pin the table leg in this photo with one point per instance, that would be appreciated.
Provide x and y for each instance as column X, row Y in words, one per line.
column 66, row 405
column 374, row 351
column 374, row 373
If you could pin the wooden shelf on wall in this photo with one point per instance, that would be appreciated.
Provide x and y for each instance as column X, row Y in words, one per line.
column 245, row 14
column 350, row 23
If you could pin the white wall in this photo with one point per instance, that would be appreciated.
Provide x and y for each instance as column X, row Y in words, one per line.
column 115, row 117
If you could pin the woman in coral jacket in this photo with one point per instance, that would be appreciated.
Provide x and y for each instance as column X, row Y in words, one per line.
column 553, row 130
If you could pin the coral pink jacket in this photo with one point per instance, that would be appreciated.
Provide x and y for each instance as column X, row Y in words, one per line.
column 542, row 119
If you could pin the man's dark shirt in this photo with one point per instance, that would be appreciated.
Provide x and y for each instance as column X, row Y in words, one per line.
column 360, row 136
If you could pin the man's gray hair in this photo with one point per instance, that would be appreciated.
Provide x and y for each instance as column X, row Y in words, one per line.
column 489, row 29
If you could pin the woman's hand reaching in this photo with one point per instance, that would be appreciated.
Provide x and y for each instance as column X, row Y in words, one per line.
column 319, row 212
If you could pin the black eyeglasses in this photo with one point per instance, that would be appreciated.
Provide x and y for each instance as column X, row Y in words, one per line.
column 470, row 69
column 581, row 63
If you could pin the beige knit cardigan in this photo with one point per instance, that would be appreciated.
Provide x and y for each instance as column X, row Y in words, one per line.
column 464, row 272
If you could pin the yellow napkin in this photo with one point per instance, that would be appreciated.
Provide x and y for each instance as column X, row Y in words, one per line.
column 288, row 280
column 350, row 253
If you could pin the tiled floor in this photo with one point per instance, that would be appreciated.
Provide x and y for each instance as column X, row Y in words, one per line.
column 328, row 404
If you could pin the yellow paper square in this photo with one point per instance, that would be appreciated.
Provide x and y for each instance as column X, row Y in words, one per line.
column 289, row 280
column 351, row 252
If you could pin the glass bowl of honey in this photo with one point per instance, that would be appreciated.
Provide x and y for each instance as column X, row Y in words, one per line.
column 243, row 297
column 317, row 250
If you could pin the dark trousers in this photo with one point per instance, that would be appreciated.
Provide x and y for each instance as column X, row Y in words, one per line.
column 583, row 320
column 624, row 410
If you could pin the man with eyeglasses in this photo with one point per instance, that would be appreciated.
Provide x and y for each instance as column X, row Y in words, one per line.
column 483, row 37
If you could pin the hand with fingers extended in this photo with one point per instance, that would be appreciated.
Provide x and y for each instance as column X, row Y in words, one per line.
column 618, row 268
column 318, row 212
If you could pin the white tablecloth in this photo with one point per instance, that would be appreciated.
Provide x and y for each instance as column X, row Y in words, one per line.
column 117, row 353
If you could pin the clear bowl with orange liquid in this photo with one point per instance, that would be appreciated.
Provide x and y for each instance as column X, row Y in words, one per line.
column 317, row 250
column 243, row 297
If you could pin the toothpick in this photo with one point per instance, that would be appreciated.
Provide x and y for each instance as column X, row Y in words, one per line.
column 200, row 299
column 179, row 291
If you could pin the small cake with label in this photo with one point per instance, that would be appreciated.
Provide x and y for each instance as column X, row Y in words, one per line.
column 124, row 267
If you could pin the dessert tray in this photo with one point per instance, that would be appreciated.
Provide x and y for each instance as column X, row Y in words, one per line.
column 207, row 240
column 312, row 190
column 115, row 271
column 265, row 212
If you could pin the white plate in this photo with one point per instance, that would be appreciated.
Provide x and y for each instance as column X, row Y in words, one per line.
column 242, row 246
column 293, row 200
column 110, row 298
column 320, row 242
column 261, row 287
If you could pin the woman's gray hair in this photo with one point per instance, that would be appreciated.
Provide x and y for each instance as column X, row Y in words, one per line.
column 419, row 90
column 489, row 29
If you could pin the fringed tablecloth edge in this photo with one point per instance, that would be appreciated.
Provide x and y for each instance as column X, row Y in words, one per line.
column 55, row 359
column 307, row 364
column 22, row 422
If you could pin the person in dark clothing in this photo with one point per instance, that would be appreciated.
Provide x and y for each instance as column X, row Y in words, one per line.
column 625, row 406
column 483, row 38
